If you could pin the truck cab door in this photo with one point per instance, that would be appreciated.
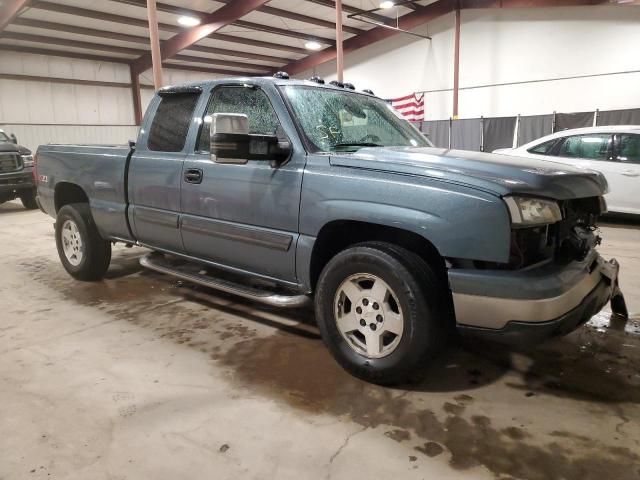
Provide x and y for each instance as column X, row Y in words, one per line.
column 155, row 171
column 244, row 217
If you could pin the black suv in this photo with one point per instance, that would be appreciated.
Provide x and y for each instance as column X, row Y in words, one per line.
column 16, row 172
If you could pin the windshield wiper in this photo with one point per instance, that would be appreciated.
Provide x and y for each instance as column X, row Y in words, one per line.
column 357, row 144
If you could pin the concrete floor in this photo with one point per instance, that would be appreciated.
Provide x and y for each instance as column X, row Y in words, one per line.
column 140, row 377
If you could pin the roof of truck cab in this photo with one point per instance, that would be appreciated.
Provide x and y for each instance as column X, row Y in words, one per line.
column 206, row 84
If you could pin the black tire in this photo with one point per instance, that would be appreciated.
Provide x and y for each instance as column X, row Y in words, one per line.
column 28, row 199
column 420, row 295
column 96, row 254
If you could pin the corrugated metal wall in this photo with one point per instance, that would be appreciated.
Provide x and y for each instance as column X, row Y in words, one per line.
column 43, row 111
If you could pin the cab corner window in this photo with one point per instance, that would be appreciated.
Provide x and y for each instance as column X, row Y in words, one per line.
column 591, row 147
column 170, row 126
column 628, row 148
column 251, row 102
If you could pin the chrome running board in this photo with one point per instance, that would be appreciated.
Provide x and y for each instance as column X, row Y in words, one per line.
column 159, row 263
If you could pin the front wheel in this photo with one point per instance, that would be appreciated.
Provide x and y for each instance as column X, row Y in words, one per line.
column 378, row 310
column 84, row 254
column 28, row 199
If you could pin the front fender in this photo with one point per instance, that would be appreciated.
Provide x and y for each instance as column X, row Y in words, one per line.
column 459, row 221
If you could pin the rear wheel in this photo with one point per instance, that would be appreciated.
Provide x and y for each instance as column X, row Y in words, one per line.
column 84, row 254
column 28, row 199
column 378, row 310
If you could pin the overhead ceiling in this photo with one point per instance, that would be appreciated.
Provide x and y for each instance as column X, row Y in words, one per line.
column 266, row 36
column 259, row 42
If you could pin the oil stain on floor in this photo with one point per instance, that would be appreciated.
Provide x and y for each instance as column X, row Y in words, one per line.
column 293, row 366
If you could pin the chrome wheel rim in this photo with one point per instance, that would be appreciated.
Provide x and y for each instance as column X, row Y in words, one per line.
column 72, row 245
column 368, row 315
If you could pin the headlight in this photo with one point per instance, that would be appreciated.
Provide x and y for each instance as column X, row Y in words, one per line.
column 27, row 160
column 532, row 211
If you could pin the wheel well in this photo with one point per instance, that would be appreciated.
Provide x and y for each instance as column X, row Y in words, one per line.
column 67, row 193
column 338, row 235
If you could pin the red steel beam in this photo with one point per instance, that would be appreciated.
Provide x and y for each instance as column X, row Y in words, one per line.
column 154, row 41
column 10, row 10
column 211, row 23
column 456, row 64
column 339, row 41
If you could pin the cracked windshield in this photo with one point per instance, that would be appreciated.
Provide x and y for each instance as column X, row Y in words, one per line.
column 335, row 120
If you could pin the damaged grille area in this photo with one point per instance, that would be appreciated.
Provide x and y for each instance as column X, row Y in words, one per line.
column 563, row 242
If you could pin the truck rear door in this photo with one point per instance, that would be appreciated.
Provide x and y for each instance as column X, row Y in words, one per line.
column 155, row 172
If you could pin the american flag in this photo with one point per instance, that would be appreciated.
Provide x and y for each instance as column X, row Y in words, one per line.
column 410, row 106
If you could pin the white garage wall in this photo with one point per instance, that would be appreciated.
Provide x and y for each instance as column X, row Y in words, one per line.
column 512, row 61
column 40, row 112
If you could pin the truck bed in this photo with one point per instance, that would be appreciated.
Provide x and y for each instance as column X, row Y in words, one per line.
column 99, row 170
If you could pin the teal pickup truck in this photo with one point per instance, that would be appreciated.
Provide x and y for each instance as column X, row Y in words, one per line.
column 291, row 192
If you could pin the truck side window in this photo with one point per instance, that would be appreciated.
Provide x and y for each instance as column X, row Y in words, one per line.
column 170, row 125
column 594, row 146
column 628, row 148
column 252, row 102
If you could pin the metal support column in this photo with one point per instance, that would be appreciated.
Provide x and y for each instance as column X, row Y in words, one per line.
column 154, row 38
column 339, row 52
column 456, row 65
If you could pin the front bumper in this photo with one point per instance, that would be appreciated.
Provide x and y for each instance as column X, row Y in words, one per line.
column 529, row 306
column 21, row 180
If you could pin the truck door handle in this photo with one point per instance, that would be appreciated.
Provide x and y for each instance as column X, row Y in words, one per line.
column 193, row 175
column 631, row 173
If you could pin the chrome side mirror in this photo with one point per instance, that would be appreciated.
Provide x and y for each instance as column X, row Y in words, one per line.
column 229, row 138
column 231, row 142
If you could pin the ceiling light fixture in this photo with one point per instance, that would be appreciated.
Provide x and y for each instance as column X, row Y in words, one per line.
column 387, row 5
column 189, row 21
column 312, row 45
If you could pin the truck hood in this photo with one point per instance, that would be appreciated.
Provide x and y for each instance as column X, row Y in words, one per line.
column 12, row 147
column 498, row 174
